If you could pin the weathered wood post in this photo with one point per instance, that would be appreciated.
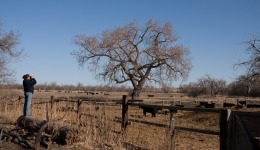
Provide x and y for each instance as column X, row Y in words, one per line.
column 5, row 105
column 39, row 135
column 78, row 107
column 52, row 98
column 223, row 129
column 172, row 146
column 47, row 112
column 124, row 112
column 19, row 98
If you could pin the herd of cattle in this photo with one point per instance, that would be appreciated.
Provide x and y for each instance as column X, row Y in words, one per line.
column 203, row 104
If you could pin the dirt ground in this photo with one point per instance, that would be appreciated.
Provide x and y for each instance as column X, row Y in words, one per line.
column 10, row 146
column 13, row 146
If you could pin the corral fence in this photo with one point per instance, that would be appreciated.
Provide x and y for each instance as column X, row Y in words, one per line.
column 222, row 120
column 243, row 131
column 237, row 130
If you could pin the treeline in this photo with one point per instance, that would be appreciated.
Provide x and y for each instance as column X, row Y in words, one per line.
column 242, row 86
column 46, row 87
column 207, row 85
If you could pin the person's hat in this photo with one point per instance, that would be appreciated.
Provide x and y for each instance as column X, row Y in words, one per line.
column 25, row 76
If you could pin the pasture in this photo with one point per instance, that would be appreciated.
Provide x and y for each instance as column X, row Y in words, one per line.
column 98, row 119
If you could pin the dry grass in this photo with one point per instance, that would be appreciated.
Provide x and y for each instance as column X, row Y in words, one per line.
column 99, row 130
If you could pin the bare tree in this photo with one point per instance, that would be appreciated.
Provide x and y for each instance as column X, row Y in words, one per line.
column 53, row 85
column 212, row 86
column 166, row 88
column 8, row 54
column 79, row 86
column 205, row 85
column 252, row 77
column 192, row 89
column 253, row 63
column 134, row 54
column 45, row 86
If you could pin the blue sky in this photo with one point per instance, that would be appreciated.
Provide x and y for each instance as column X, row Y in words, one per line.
column 213, row 30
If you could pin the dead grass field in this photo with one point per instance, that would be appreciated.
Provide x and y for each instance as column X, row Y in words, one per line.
column 99, row 130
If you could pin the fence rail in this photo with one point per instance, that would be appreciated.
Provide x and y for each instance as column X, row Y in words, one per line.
column 222, row 120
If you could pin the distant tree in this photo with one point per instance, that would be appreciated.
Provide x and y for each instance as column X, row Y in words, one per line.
column 53, row 85
column 45, row 86
column 205, row 85
column 136, row 55
column 212, row 86
column 151, row 88
column 253, row 62
column 8, row 54
column 248, row 84
column 79, row 86
column 166, row 88
column 245, row 86
column 239, row 87
column 192, row 89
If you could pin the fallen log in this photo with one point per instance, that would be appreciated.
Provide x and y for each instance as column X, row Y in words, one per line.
column 39, row 135
column 58, row 133
column 29, row 123
column 16, row 138
column 65, row 136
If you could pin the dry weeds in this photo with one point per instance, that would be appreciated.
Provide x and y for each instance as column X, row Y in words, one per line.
column 99, row 130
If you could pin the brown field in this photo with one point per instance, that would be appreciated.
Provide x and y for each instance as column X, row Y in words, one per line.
column 99, row 130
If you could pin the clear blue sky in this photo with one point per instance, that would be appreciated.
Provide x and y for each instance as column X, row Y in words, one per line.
column 213, row 30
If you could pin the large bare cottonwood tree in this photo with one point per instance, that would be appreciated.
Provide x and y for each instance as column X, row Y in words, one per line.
column 135, row 54
column 8, row 54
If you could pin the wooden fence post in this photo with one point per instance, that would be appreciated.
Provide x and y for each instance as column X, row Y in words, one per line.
column 172, row 130
column 78, row 115
column 6, row 105
column 124, row 112
column 223, row 129
column 52, row 98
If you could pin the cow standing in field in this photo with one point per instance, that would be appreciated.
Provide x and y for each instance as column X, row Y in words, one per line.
column 152, row 110
column 225, row 104
column 206, row 105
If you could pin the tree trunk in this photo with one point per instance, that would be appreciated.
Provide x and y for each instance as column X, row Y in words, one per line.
column 136, row 93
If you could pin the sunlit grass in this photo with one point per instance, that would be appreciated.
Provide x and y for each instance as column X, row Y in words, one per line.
column 98, row 128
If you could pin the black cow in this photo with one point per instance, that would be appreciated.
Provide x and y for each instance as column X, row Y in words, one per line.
column 253, row 106
column 228, row 104
column 242, row 102
column 206, row 105
column 150, row 109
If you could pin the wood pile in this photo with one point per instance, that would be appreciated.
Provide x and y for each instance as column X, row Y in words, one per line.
column 33, row 133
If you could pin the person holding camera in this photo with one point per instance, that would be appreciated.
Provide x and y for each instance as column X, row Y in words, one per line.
column 28, row 86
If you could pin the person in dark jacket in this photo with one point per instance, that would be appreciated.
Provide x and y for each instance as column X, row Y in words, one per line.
column 28, row 86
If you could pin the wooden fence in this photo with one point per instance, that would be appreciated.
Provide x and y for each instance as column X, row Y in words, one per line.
column 172, row 109
column 222, row 120
column 244, row 131
column 228, row 129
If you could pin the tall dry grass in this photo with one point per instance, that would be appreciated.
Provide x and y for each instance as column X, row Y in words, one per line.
column 100, row 130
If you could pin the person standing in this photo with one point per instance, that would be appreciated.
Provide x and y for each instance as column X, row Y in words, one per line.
column 28, row 86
